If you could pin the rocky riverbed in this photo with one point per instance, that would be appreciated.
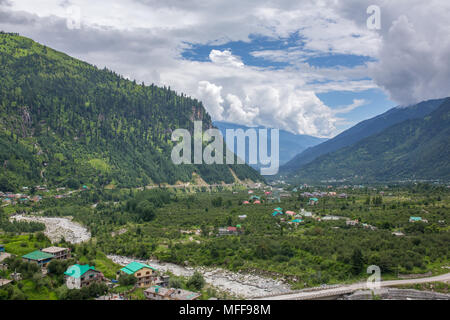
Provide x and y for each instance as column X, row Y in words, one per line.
column 57, row 228
column 236, row 284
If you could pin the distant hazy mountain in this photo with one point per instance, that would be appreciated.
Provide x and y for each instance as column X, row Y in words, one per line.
column 362, row 130
column 290, row 144
column 412, row 149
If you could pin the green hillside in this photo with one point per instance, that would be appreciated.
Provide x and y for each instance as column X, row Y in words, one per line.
column 65, row 122
column 413, row 149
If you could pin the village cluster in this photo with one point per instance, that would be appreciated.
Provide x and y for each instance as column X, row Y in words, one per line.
column 79, row 276
column 9, row 198
column 274, row 195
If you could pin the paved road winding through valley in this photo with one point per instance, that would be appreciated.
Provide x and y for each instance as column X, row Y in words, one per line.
column 346, row 289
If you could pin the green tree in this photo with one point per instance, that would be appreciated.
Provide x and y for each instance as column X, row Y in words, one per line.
column 196, row 282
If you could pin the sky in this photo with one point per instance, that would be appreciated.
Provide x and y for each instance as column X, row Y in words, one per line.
column 308, row 67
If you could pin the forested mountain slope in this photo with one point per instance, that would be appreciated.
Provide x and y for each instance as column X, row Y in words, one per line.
column 413, row 149
column 362, row 130
column 63, row 121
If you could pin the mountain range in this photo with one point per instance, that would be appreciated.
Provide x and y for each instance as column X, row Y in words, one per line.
column 362, row 130
column 387, row 148
column 66, row 122
column 289, row 144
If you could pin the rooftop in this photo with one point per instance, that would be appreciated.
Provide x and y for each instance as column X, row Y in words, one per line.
column 134, row 266
column 38, row 255
column 52, row 250
column 77, row 270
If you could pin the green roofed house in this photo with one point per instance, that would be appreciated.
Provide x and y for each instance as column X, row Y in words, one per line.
column 79, row 276
column 313, row 201
column 40, row 258
column 415, row 219
column 297, row 221
column 145, row 274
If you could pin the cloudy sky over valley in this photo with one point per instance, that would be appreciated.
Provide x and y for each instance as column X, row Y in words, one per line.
column 309, row 67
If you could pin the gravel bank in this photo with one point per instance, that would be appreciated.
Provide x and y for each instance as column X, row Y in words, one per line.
column 237, row 284
column 57, row 228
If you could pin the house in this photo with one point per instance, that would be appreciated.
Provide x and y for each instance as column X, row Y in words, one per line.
column 313, row 201
column 331, row 218
column 163, row 281
column 297, row 221
column 36, row 198
column 112, row 296
column 42, row 259
column 398, row 234
column 80, row 276
column 415, row 219
column 290, row 213
column 368, row 226
column 16, row 276
column 257, row 202
column 159, row 293
column 145, row 274
column 243, row 217
column 230, row 231
column 352, row 222
column 245, row 202
column 58, row 252
column 4, row 282
column 2, row 248
column 3, row 256
column 306, row 214
column 343, row 196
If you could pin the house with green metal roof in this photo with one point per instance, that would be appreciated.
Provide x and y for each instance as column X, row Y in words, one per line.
column 146, row 275
column 39, row 257
column 79, row 276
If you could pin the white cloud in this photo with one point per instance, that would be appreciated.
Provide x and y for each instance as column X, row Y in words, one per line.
column 225, row 58
column 145, row 38
column 210, row 94
column 356, row 104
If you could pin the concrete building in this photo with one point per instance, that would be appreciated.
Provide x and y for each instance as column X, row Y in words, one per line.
column 159, row 293
column 42, row 259
column 145, row 274
column 58, row 252
column 80, row 276
column 4, row 282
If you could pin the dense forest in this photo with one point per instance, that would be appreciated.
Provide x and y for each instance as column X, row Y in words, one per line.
column 413, row 149
column 67, row 123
